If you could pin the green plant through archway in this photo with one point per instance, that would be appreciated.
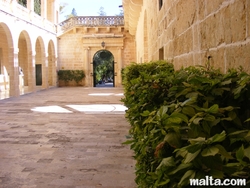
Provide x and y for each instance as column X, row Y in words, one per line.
column 103, row 67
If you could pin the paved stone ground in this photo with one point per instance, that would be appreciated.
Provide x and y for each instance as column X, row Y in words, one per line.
column 54, row 139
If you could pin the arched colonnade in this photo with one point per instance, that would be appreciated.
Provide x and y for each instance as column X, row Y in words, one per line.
column 28, row 59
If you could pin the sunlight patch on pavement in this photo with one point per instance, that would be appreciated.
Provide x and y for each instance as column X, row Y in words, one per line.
column 52, row 109
column 100, row 94
column 105, row 94
column 119, row 94
column 99, row 108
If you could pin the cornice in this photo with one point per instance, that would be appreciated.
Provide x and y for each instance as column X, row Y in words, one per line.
column 132, row 9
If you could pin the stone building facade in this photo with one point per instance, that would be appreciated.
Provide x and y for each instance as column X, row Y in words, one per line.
column 189, row 32
column 28, row 46
column 81, row 38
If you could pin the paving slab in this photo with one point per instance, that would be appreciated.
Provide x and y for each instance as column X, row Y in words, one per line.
column 67, row 137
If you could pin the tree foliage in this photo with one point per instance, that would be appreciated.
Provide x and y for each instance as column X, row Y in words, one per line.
column 103, row 65
column 121, row 13
column 73, row 14
column 23, row 2
column 37, row 7
column 101, row 12
column 62, row 7
column 69, row 75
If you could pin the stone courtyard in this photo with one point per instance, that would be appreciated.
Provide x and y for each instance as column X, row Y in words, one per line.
column 65, row 138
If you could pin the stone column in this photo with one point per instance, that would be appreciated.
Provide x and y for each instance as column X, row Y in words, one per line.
column 88, row 71
column 30, row 5
column 14, row 72
column 44, row 9
column 54, row 70
column 119, row 68
column 55, row 12
column 45, row 83
column 32, row 71
column 13, row 5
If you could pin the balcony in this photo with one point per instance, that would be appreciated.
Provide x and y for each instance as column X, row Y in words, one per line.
column 21, row 13
column 91, row 21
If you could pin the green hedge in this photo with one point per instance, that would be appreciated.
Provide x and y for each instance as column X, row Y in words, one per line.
column 69, row 75
column 187, row 123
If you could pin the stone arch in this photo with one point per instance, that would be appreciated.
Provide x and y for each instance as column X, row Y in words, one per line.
column 7, row 72
column 103, row 69
column 25, row 61
column 145, row 39
column 40, row 65
column 51, row 64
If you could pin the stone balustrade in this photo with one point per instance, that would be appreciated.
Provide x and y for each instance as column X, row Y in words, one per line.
column 91, row 21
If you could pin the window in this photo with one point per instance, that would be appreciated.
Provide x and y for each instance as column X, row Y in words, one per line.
column 23, row 3
column 161, row 53
column 37, row 7
column 160, row 4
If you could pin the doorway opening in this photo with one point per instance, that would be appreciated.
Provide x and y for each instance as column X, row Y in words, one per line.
column 103, row 69
column 38, row 74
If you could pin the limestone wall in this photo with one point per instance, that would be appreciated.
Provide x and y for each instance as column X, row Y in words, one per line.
column 189, row 31
column 129, row 50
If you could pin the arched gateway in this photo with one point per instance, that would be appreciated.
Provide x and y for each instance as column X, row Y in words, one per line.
column 103, row 69
column 99, row 41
